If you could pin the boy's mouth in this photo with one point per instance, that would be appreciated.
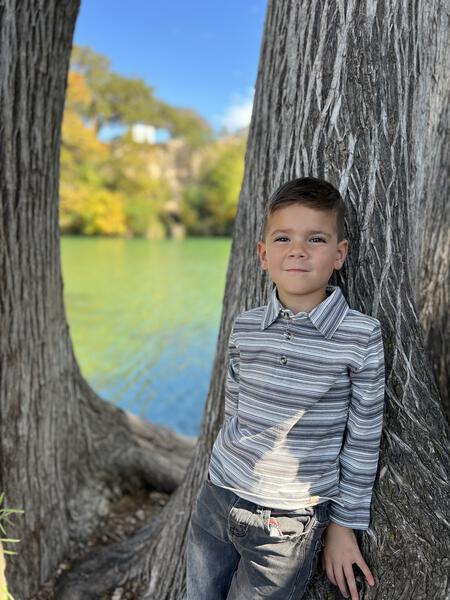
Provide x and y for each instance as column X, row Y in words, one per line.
column 298, row 270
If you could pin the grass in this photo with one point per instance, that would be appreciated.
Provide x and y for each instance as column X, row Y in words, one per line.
column 5, row 514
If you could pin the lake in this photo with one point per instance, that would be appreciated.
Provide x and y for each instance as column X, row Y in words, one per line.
column 144, row 319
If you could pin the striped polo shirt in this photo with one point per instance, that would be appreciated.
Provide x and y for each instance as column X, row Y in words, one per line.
column 304, row 400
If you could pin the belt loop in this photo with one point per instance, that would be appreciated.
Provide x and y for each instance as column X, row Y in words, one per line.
column 265, row 512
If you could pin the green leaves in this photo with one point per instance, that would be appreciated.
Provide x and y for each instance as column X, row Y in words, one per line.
column 210, row 204
column 115, row 99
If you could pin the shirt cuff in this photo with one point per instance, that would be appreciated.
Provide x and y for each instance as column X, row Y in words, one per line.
column 357, row 518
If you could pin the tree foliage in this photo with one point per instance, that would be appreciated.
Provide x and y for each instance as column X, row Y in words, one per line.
column 210, row 204
column 111, row 188
column 116, row 99
column 105, row 189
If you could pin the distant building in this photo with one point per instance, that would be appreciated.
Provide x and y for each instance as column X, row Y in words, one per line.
column 143, row 134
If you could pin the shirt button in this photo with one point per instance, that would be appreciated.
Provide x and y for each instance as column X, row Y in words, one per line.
column 283, row 360
column 288, row 335
column 285, row 314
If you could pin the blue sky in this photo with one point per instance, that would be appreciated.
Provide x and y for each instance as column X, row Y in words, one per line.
column 199, row 54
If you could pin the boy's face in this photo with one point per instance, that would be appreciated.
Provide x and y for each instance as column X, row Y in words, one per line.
column 300, row 252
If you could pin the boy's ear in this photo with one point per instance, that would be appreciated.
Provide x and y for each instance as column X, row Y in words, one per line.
column 261, row 250
column 341, row 254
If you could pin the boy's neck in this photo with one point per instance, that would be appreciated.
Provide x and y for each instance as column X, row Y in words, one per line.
column 304, row 303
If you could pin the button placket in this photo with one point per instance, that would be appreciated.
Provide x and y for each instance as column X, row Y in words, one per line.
column 287, row 334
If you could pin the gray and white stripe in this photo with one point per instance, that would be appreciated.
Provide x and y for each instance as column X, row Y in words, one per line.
column 304, row 403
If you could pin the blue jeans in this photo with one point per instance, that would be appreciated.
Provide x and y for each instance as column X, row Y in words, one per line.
column 238, row 550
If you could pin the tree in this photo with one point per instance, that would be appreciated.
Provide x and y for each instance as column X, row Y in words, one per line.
column 61, row 445
column 353, row 92
column 185, row 123
column 114, row 98
column 105, row 189
column 126, row 100
column 209, row 206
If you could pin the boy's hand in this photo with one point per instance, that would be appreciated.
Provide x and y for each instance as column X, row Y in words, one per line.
column 339, row 553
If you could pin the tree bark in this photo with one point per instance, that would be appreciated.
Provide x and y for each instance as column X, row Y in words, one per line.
column 345, row 90
column 429, row 194
column 63, row 450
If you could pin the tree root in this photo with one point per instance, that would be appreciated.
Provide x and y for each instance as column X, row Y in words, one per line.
column 151, row 556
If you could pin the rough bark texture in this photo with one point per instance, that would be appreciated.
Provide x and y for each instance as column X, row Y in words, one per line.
column 351, row 91
column 430, row 191
column 61, row 445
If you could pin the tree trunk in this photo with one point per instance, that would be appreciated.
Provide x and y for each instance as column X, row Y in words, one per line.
column 63, row 450
column 347, row 91
column 429, row 194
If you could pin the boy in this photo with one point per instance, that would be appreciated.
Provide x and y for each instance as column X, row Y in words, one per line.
column 297, row 454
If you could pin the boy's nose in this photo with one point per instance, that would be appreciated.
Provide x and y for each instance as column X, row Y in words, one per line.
column 298, row 250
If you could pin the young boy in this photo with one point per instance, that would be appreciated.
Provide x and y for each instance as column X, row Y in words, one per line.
column 297, row 454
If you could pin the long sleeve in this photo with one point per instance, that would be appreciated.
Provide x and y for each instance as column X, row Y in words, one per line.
column 232, row 379
column 359, row 454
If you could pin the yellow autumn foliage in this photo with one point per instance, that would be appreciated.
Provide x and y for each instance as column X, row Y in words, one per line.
column 92, row 211
column 78, row 96
column 79, row 142
column 104, row 214
column 126, row 188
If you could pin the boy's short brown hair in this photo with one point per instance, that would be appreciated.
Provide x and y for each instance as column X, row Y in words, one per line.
column 312, row 192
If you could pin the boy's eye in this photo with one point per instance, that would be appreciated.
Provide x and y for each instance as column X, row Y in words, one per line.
column 283, row 238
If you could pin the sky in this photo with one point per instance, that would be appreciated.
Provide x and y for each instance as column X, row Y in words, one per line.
column 198, row 54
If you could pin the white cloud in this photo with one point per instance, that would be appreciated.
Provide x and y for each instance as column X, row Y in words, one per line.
column 238, row 114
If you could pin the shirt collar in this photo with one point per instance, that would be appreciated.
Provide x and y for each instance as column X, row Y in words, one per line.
column 326, row 316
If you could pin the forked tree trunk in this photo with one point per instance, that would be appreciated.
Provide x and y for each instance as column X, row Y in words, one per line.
column 351, row 91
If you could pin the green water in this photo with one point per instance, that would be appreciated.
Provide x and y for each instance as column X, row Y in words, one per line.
column 144, row 318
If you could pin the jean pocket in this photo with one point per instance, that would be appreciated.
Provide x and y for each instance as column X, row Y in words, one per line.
column 287, row 526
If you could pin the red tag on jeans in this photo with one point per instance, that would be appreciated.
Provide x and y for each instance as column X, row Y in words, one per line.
column 274, row 528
